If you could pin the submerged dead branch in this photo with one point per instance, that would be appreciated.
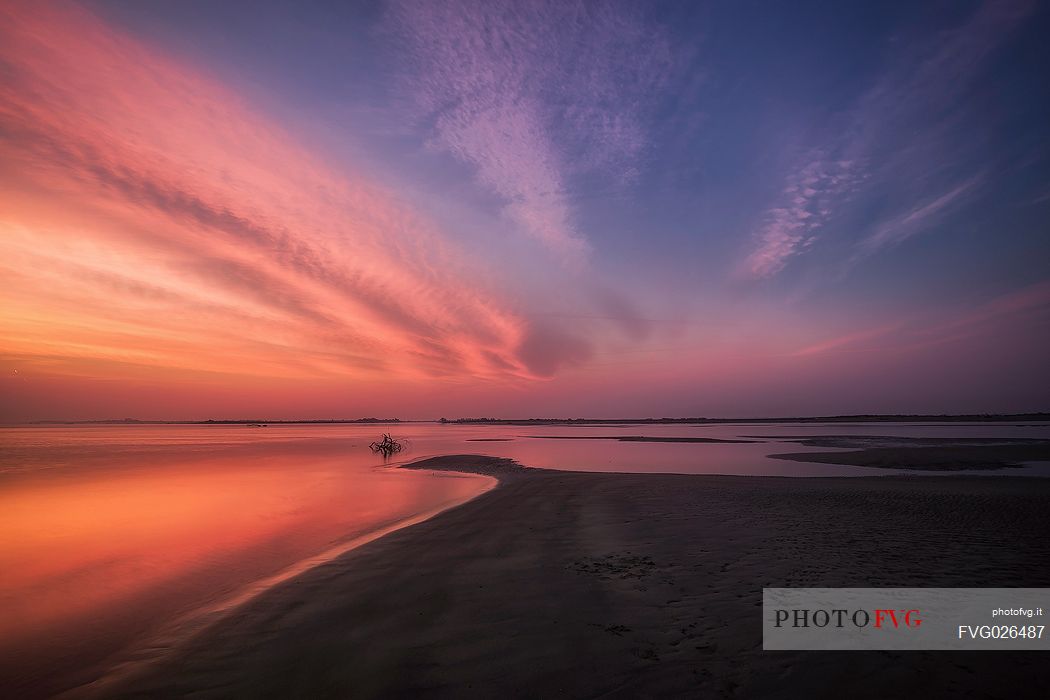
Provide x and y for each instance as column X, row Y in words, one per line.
column 387, row 445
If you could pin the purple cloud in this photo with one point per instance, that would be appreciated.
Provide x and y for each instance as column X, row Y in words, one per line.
column 531, row 94
column 905, row 226
column 903, row 135
column 804, row 208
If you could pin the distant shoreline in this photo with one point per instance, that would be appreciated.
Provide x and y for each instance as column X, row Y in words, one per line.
column 259, row 423
column 858, row 418
column 855, row 418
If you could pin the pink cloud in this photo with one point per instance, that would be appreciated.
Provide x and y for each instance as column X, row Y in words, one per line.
column 1006, row 309
column 153, row 218
column 842, row 342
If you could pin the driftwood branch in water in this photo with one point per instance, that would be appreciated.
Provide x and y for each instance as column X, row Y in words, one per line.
column 387, row 445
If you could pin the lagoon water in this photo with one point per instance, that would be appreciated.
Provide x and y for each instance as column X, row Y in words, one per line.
column 115, row 538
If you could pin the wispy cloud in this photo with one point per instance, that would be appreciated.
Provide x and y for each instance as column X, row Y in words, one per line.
column 845, row 342
column 1041, row 198
column 531, row 94
column 805, row 206
column 1003, row 315
column 1031, row 303
column 906, row 141
column 912, row 222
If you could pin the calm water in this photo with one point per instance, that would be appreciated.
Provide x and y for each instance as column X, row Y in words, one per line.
column 114, row 538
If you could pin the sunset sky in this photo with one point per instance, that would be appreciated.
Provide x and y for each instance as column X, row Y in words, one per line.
column 424, row 209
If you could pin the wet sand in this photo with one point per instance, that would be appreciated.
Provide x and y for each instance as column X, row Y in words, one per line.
column 562, row 584
column 636, row 438
column 928, row 454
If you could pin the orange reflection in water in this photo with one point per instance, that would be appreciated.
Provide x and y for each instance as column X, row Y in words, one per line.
column 96, row 557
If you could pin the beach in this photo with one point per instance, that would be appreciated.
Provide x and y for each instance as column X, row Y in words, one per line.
column 563, row 584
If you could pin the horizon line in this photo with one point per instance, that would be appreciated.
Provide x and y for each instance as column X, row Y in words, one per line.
column 882, row 417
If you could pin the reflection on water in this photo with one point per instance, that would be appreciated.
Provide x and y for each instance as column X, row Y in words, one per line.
column 141, row 526
column 110, row 535
column 747, row 459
